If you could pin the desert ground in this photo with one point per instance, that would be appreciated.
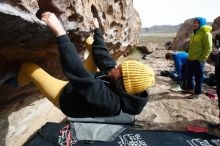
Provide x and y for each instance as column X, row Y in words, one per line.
column 168, row 110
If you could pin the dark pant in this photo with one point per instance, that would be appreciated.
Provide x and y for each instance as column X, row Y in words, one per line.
column 195, row 69
column 218, row 93
column 217, row 75
column 184, row 77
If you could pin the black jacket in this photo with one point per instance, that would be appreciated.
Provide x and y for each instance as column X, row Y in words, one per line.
column 88, row 96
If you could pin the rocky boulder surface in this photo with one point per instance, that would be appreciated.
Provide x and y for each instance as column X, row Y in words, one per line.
column 216, row 24
column 25, row 38
column 216, row 27
column 181, row 41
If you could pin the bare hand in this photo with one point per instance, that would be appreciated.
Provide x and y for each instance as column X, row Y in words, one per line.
column 53, row 23
column 94, row 23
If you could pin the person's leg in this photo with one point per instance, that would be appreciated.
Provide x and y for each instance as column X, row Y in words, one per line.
column 198, row 77
column 48, row 85
column 89, row 63
column 216, row 127
column 190, row 72
column 218, row 94
column 217, row 77
column 184, row 77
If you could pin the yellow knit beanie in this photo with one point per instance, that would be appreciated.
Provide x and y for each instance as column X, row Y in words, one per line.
column 137, row 76
column 89, row 40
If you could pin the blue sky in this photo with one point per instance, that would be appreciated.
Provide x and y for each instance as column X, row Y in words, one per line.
column 173, row 12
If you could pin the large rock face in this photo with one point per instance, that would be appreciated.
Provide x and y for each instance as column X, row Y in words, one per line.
column 216, row 27
column 216, row 24
column 181, row 41
column 25, row 38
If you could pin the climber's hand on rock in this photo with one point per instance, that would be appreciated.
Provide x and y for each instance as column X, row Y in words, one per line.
column 53, row 23
column 94, row 23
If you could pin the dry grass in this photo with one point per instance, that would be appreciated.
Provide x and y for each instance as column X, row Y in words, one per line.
column 155, row 38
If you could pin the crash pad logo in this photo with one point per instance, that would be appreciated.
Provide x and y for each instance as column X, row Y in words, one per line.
column 131, row 140
column 198, row 142
column 65, row 138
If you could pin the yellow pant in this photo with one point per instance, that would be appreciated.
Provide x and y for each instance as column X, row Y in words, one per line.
column 48, row 85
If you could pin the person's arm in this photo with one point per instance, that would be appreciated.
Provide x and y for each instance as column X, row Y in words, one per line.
column 102, row 57
column 212, row 57
column 178, row 65
column 70, row 60
column 207, row 43
column 53, row 23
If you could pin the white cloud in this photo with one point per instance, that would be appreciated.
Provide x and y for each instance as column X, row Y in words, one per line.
column 173, row 12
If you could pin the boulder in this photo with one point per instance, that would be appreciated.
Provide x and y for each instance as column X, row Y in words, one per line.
column 25, row 38
column 169, row 45
column 216, row 27
column 181, row 41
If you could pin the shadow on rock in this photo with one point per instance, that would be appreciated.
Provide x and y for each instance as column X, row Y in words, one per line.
column 13, row 99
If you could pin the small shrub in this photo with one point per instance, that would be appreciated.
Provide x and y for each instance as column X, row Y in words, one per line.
column 135, row 51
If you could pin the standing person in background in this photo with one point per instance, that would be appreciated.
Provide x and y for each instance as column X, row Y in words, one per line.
column 215, row 57
column 180, row 60
column 217, row 71
column 216, row 54
column 199, row 50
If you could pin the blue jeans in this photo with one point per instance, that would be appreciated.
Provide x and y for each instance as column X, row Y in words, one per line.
column 195, row 69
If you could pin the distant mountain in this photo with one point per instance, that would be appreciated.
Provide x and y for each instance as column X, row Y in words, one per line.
column 161, row 28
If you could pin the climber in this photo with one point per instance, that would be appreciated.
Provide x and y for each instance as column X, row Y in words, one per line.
column 113, row 89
